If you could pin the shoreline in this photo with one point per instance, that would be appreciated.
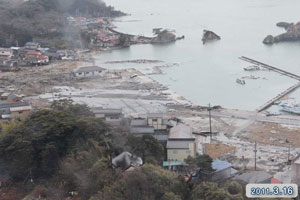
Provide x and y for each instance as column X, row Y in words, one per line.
column 142, row 94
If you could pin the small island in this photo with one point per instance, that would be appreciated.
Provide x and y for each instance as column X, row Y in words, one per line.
column 209, row 36
column 292, row 33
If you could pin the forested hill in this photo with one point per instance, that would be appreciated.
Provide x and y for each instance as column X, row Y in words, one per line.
column 44, row 19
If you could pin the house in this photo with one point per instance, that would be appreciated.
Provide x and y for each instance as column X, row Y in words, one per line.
column 181, row 143
column 4, row 96
column 4, row 52
column 32, row 45
column 157, row 121
column 12, row 98
column 140, row 130
column 92, row 71
column 223, row 170
column 254, row 177
column 107, row 40
column 151, row 124
column 17, row 110
column 110, row 115
column 172, row 165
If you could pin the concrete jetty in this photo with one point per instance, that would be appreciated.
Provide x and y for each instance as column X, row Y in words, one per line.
column 280, row 71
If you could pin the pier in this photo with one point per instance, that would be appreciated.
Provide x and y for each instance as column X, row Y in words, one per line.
column 279, row 96
column 275, row 69
column 280, row 71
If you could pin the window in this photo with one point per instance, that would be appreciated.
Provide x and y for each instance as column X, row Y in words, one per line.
column 188, row 152
column 175, row 151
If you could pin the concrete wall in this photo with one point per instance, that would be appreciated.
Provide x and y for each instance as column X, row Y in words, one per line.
column 20, row 114
column 182, row 154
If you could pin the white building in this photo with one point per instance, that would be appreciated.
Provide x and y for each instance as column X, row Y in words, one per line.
column 91, row 71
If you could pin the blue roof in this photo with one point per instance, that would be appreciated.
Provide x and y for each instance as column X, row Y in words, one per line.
column 220, row 165
column 31, row 44
column 171, row 163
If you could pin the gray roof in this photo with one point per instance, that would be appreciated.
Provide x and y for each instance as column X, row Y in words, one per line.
column 178, row 144
column 142, row 129
column 155, row 115
column 12, row 96
column 13, row 105
column 106, row 110
column 254, row 177
column 138, row 122
column 181, row 131
column 89, row 69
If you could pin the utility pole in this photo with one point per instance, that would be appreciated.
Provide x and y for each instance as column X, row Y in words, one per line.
column 210, row 129
column 255, row 151
column 289, row 150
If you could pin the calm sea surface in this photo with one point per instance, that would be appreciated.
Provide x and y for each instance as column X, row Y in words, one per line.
column 207, row 73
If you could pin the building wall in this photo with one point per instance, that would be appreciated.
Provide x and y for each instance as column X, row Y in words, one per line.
column 20, row 114
column 100, row 115
column 157, row 123
column 200, row 143
column 182, row 154
column 89, row 74
column 295, row 173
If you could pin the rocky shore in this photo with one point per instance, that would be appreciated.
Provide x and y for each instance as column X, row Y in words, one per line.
column 292, row 33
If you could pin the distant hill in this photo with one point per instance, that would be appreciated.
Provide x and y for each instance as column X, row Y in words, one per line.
column 44, row 20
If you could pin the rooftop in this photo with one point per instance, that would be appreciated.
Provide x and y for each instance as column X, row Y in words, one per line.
column 13, row 105
column 89, row 69
column 100, row 110
column 21, row 108
column 31, row 44
column 254, row 177
column 142, row 129
column 155, row 115
column 181, row 131
column 220, row 165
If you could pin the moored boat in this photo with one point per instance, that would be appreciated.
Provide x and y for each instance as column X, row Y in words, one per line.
column 290, row 109
column 252, row 68
column 241, row 81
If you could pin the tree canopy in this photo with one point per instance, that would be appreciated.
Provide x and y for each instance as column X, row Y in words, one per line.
column 38, row 143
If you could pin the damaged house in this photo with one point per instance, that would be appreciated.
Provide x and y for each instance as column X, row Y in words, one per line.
column 152, row 124
column 110, row 115
column 16, row 110
column 92, row 71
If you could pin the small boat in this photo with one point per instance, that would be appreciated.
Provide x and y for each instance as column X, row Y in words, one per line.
column 252, row 68
column 241, row 81
column 290, row 109
column 277, row 102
